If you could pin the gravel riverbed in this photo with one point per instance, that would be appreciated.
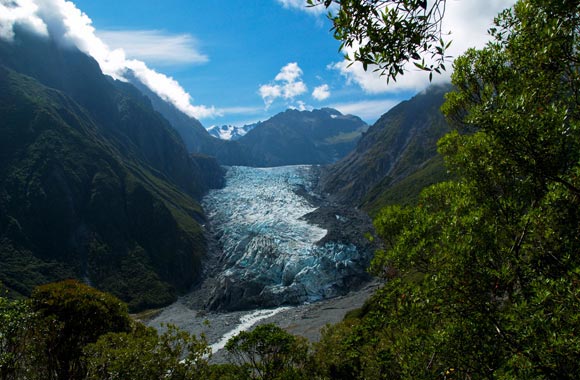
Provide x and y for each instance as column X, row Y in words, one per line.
column 304, row 320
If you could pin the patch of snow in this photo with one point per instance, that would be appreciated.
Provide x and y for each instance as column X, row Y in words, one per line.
column 229, row 132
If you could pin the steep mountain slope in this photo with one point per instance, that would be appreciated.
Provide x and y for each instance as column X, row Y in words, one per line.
column 303, row 137
column 399, row 149
column 196, row 138
column 94, row 184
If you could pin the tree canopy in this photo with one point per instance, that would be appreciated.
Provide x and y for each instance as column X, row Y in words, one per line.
column 484, row 272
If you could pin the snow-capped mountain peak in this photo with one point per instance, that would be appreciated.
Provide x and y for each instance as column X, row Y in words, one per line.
column 230, row 132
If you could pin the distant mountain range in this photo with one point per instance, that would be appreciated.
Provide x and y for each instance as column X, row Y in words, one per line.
column 291, row 137
column 294, row 137
column 230, row 132
column 302, row 137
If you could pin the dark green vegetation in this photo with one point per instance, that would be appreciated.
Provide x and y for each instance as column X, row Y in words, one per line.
column 43, row 337
column 94, row 184
column 68, row 330
column 395, row 158
column 483, row 275
column 268, row 352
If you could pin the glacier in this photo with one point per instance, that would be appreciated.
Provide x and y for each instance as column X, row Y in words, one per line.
column 269, row 253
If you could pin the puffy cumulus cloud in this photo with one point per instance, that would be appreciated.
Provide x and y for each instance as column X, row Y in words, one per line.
column 466, row 21
column 68, row 25
column 289, row 73
column 321, row 92
column 287, row 85
column 155, row 46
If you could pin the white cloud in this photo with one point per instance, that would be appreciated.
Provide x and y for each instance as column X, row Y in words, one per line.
column 155, row 46
column 321, row 92
column 269, row 93
column 301, row 106
column 169, row 90
column 289, row 73
column 468, row 22
column 22, row 13
column 67, row 24
column 301, row 5
column 368, row 110
column 287, row 85
column 292, row 89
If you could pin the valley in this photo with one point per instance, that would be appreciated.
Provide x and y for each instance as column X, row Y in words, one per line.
column 333, row 223
column 279, row 252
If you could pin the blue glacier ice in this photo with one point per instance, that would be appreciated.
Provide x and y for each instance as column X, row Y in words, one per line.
column 270, row 255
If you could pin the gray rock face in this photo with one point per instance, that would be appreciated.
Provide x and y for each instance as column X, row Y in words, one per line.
column 271, row 255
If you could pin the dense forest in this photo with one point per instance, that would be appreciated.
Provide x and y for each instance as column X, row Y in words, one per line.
column 482, row 274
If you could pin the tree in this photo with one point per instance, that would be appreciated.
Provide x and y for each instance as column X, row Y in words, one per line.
column 144, row 354
column 390, row 33
column 268, row 352
column 16, row 335
column 73, row 315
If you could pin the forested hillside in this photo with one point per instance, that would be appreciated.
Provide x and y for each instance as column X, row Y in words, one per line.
column 94, row 184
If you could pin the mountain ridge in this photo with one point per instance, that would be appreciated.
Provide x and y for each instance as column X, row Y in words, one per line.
column 94, row 184
column 401, row 143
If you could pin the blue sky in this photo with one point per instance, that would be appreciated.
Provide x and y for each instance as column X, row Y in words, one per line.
column 239, row 61
column 246, row 43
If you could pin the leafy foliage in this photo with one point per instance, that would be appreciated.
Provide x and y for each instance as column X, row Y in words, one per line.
column 68, row 330
column 77, row 315
column 144, row 354
column 484, row 272
column 390, row 33
column 16, row 321
column 268, row 353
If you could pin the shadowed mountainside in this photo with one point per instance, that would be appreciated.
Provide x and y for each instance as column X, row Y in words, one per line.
column 395, row 158
column 94, row 184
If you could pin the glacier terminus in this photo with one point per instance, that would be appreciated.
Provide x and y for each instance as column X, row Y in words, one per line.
column 279, row 243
